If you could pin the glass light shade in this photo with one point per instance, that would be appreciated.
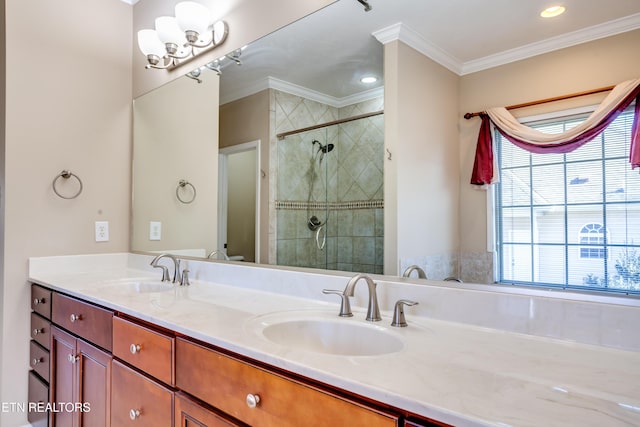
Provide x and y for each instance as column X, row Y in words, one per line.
column 150, row 44
column 169, row 31
column 192, row 16
column 219, row 32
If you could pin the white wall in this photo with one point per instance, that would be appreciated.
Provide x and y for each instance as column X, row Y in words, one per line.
column 68, row 97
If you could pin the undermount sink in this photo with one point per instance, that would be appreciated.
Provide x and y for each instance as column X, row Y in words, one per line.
column 139, row 285
column 330, row 334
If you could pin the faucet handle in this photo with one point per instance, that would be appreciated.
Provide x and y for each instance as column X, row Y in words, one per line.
column 184, row 279
column 345, row 306
column 398, row 312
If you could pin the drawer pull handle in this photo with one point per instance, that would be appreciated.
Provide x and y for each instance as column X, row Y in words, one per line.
column 135, row 348
column 72, row 358
column 38, row 331
column 37, row 360
column 133, row 414
column 37, row 301
column 75, row 317
column 253, row 400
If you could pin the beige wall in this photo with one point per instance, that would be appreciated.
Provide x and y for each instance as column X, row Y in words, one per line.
column 247, row 120
column 68, row 97
column 591, row 65
column 421, row 179
column 246, row 20
column 176, row 138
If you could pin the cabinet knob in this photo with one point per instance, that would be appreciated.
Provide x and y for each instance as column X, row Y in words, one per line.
column 38, row 331
column 75, row 317
column 36, row 360
column 37, row 301
column 135, row 348
column 133, row 414
column 72, row 358
column 252, row 400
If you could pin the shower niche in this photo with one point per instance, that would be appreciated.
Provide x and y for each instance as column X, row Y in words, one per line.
column 329, row 197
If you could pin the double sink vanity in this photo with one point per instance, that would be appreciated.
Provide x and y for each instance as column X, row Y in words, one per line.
column 262, row 346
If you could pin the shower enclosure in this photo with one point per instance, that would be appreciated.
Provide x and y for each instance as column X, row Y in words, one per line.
column 329, row 202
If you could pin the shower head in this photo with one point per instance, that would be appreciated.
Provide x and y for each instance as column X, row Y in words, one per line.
column 324, row 148
column 327, row 148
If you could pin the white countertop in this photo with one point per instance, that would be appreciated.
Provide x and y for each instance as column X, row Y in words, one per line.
column 451, row 372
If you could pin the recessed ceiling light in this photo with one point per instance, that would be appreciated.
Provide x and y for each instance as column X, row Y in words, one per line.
column 552, row 11
column 369, row 79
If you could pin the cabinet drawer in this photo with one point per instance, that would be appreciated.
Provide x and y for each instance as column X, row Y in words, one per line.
column 144, row 348
column 191, row 414
column 39, row 395
column 41, row 301
column 139, row 399
column 83, row 319
column 225, row 383
column 39, row 360
column 40, row 330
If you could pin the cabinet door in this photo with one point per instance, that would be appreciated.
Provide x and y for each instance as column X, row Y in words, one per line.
column 137, row 400
column 190, row 414
column 63, row 377
column 94, row 385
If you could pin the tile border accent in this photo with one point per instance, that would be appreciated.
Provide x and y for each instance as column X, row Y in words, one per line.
column 356, row 204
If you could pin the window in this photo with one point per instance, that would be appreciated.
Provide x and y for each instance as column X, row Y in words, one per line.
column 592, row 240
column 570, row 220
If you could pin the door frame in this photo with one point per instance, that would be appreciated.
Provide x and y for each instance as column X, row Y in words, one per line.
column 223, row 186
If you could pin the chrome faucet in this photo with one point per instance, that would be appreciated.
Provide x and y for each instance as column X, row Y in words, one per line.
column 165, row 271
column 411, row 268
column 373, row 311
column 216, row 252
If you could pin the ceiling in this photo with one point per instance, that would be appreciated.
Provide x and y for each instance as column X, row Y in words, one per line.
column 327, row 52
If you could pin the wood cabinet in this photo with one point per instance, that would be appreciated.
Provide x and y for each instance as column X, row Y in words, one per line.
column 39, row 352
column 189, row 413
column 258, row 397
column 88, row 321
column 139, row 399
column 80, row 382
column 155, row 378
column 146, row 349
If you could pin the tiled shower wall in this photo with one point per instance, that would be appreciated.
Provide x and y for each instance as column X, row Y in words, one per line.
column 347, row 187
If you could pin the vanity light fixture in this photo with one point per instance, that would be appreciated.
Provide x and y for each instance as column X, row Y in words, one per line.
column 552, row 11
column 178, row 39
column 369, row 79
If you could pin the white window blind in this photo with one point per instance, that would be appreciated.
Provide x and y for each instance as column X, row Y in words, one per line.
column 570, row 220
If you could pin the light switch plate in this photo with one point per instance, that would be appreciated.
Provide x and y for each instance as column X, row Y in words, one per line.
column 155, row 230
column 102, row 231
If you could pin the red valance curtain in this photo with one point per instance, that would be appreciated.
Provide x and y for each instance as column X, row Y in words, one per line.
column 537, row 142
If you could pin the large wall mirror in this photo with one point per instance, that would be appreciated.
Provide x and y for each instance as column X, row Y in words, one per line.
column 293, row 172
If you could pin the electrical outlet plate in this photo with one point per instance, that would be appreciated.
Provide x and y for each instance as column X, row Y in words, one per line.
column 155, row 230
column 102, row 231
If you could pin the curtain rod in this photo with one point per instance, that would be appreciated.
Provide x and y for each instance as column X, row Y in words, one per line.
column 324, row 125
column 544, row 101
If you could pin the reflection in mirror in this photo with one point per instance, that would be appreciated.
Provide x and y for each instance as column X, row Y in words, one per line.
column 330, row 191
column 286, row 81
column 175, row 141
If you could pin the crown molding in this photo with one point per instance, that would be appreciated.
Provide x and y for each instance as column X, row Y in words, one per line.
column 283, row 86
column 611, row 28
column 413, row 39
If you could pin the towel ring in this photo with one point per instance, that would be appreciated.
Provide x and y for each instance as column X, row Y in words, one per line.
column 66, row 175
column 181, row 184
